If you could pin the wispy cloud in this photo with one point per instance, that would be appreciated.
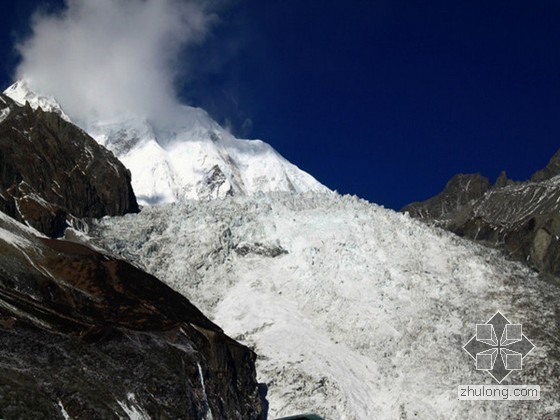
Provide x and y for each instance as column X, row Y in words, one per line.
column 110, row 58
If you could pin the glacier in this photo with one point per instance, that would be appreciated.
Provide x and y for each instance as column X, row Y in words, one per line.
column 355, row 311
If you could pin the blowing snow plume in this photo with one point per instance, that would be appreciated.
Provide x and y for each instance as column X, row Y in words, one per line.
column 112, row 66
column 108, row 58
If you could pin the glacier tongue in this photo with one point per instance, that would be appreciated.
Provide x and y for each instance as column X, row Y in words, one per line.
column 354, row 311
column 188, row 157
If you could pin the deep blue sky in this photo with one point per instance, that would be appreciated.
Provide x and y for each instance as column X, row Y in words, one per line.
column 383, row 99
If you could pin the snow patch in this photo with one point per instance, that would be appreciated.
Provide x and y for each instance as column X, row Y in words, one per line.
column 133, row 409
column 4, row 114
column 8, row 237
column 63, row 411
column 208, row 412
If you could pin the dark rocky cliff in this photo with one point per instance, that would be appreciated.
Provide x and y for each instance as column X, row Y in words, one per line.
column 84, row 335
column 94, row 336
column 523, row 218
column 459, row 191
column 51, row 171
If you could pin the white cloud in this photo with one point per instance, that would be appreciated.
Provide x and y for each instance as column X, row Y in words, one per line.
column 111, row 58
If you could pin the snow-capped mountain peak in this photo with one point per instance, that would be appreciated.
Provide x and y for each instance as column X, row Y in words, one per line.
column 21, row 92
column 189, row 157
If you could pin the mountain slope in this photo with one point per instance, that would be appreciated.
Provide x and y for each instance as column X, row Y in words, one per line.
column 85, row 335
column 354, row 311
column 52, row 172
column 190, row 157
column 459, row 191
column 522, row 218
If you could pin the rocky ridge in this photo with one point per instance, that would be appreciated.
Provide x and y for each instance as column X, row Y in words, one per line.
column 52, row 172
column 522, row 218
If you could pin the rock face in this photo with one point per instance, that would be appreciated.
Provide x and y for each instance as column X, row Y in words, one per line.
column 52, row 172
column 550, row 170
column 459, row 191
column 521, row 217
column 86, row 335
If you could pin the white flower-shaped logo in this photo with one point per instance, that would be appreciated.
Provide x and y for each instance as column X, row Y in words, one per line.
column 499, row 357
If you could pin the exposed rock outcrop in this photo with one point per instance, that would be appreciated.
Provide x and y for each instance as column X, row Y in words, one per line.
column 91, row 336
column 459, row 191
column 551, row 170
column 51, row 171
column 521, row 217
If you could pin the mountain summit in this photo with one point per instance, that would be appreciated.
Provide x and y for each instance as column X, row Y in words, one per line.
column 53, row 173
column 191, row 157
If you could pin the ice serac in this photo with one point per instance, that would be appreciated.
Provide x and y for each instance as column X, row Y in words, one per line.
column 188, row 157
column 53, row 172
column 85, row 335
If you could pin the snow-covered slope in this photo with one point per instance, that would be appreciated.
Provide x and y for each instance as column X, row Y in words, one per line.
column 355, row 312
column 21, row 93
column 189, row 158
